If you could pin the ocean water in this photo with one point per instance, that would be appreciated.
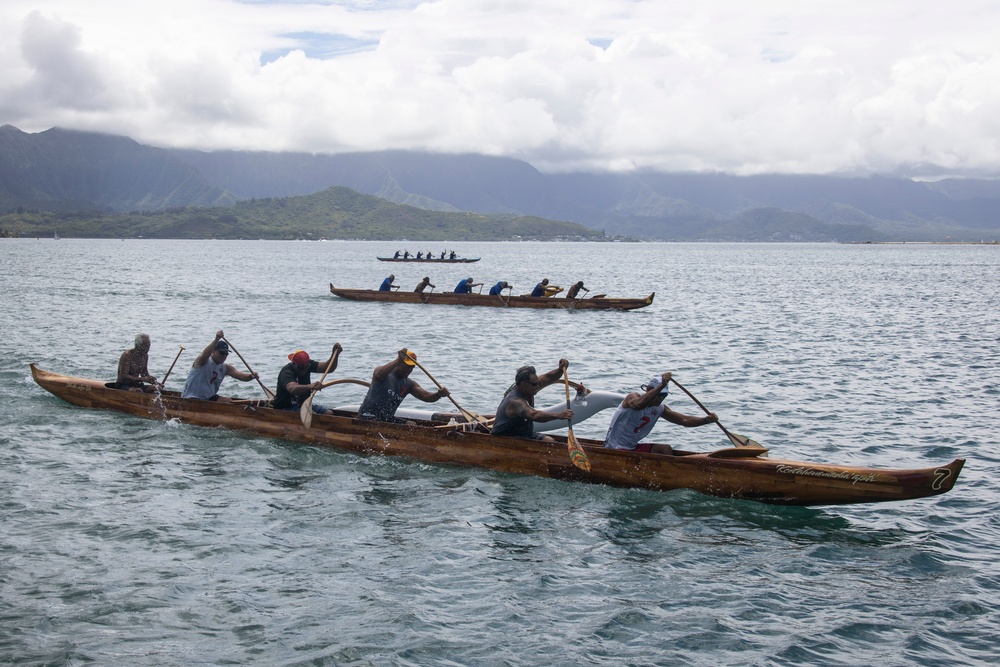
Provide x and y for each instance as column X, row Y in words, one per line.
column 132, row 542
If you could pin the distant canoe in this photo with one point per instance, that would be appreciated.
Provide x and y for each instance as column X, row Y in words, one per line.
column 495, row 301
column 431, row 260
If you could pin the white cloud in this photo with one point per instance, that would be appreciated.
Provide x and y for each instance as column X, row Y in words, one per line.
column 905, row 87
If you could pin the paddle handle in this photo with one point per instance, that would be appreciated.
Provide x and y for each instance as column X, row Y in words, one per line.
column 305, row 410
column 437, row 384
column 163, row 382
column 701, row 405
column 566, row 383
column 471, row 416
column 267, row 392
column 329, row 365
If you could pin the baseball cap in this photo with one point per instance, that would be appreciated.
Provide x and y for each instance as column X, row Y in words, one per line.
column 222, row 346
column 655, row 382
column 411, row 358
column 299, row 358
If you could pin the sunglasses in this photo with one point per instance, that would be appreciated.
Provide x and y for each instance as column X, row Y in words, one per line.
column 224, row 353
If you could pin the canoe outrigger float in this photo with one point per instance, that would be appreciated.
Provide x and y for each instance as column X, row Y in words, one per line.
column 600, row 302
column 732, row 472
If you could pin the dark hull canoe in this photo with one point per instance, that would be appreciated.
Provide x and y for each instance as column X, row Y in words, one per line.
column 502, row 301
column 742, row 473
column 431, row 260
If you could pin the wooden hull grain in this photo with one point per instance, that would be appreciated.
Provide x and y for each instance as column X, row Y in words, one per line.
column 728, row 473
column 452, row 299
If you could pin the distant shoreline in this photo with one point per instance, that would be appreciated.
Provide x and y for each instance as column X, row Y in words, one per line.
column 922, row 242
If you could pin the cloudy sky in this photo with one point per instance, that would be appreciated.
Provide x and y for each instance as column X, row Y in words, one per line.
column 901, row 87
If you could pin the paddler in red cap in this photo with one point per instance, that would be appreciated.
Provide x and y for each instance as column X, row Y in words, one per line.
column 294, row 382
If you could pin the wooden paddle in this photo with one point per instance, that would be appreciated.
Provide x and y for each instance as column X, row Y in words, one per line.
column 737, row 440
column 576, row 453
column 306, row 411
column 163, row 382
column 506, row 301
column 267, row 392
column 488, row 424
column 471, row 416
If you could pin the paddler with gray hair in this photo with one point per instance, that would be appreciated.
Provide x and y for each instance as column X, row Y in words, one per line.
column 638, row 413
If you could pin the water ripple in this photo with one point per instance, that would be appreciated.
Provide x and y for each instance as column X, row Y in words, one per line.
column 126, row 541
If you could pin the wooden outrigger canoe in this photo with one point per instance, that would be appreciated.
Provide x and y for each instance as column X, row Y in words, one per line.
column 431, row 260
column 742, row 473
column 496, row 301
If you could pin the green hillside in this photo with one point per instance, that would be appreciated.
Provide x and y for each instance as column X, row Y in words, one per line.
column 334, row 213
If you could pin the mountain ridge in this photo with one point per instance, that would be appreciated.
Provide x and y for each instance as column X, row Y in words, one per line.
column 79, row 171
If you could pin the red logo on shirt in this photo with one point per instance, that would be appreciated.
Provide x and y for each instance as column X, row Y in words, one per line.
column 642, row 424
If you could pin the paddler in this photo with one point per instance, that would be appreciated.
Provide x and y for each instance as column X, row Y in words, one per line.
column 541, row 288
column 391, row 383
column 294, row 381
column 133, row 371
column 636, row 416
column 465, row 286
column 424, row 284
column 210, row 369
column 575, row 289
column 498, row 289
column 516, row 413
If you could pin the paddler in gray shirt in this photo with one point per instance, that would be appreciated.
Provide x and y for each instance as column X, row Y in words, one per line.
column 391, row 383
column 210, row 369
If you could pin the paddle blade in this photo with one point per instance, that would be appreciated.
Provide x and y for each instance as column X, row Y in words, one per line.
column 743, row 441
column 576, row 454
column 306, row 412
